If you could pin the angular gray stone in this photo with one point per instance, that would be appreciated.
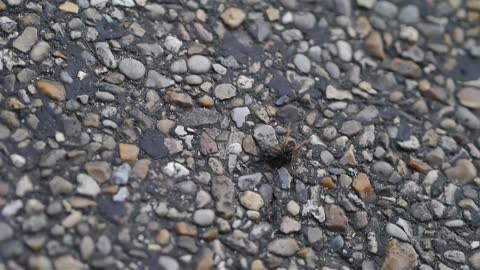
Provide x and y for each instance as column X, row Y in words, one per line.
column 6, row 232
column 265, row 137
column 420, row 212
column 105, row 55
column 223, row 192
column 225, row 91
column 200, row 117
column 156, row 80
column 26, row 40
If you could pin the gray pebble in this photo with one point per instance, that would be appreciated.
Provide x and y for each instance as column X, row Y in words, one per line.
column 199, row 64
column 132, row 68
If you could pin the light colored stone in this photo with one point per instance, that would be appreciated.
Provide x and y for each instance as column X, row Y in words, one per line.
column 51, row 89
column 128, row 152
column 251, row 200
column 69, row 7
column 233, row 17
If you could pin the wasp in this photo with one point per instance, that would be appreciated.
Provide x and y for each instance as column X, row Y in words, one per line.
column 285, row 152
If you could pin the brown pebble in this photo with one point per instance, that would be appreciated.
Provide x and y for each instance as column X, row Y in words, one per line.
column 185, row 229
column 363, row 187
column 51, row 89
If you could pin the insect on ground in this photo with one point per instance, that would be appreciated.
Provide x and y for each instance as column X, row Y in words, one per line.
column 285, row 152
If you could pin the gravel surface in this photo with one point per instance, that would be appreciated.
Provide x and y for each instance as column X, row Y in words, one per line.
column 141, row 134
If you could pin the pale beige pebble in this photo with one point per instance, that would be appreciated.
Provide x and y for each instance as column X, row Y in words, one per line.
column 257, row 265
column 233, row 17
column 51, row 89
column 273, row 14
column 165, row 125
column 473, row 5
column 141, row 167
column 163, row 237
column 399, row 256
column 128, row 152
column 200, row 15
column 464, row 171
column 72, row 220
column 363, row 26
column 469, row 97
column 68, row 262
column 3, row 6
column 206, row 101
column 181, row 99
column 251, row 200
column 69, row 7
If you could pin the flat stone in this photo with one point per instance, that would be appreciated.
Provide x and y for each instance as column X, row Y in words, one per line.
column 156, row 80
column 233, row 17
column 181, row 99
column 59, row 185
column 265, row 136
column 474, row 260
column 132, row 68
column 289, row 225
column 336, row 219
column 455, row 256
column 105, row 55
column 128, row 152
column 26, row 40
column 7, row 25
column 69, row 7
column 100, row 170
column 405, row 67
column 225, row 91
column 366, row 3
column 239, row 114
column 399, row 256
column 351, row 127
column 251, row 200
column 168, row 263
column 87, row 185
column 386, row 9
column 51, row 89
column 409, row 14
column 200, row 117
column 68, row 262
column 6, row 232
column 223, row 191
column 40, row 51
column 469, row 97
column 284, row 247
column 420, row 212
column 333, row 93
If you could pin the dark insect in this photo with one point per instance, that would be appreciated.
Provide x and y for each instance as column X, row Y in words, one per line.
column 284, row 153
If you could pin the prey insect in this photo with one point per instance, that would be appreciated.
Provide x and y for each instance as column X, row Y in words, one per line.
column 285, row 152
